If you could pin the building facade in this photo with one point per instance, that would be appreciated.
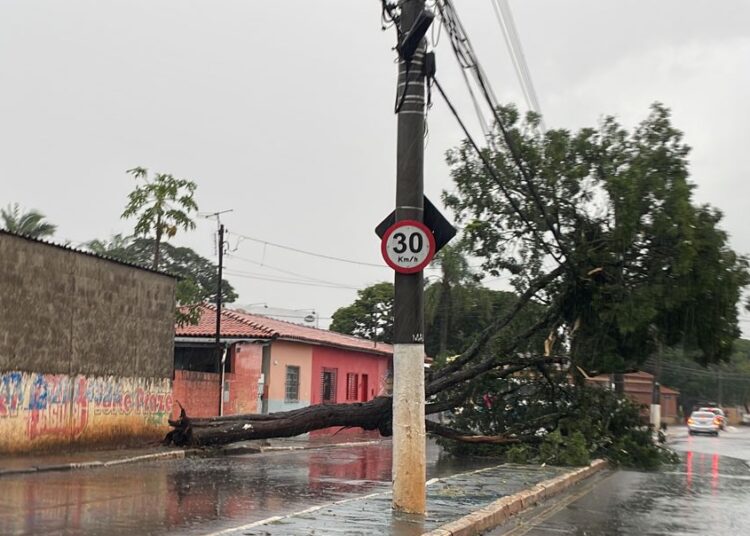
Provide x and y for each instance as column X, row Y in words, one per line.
column 273, row 366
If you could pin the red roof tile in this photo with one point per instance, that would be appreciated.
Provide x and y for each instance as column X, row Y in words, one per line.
column 238, row 323
column 230, row 327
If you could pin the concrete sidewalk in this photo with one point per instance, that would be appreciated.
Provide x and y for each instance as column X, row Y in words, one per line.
column 13, row 465
column 460, row 505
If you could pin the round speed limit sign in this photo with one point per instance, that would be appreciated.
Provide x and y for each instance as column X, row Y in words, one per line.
column 408, row 246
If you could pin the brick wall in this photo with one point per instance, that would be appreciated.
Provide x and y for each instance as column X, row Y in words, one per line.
column 198, row 392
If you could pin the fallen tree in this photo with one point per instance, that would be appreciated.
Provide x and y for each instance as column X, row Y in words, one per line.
column 610, row 258
column 372, row 415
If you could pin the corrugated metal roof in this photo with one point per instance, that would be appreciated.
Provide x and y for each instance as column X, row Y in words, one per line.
column 84, row 252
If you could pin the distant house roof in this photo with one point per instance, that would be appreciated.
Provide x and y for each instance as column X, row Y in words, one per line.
column 635, row 382
column 84, row 252
column 239, row 324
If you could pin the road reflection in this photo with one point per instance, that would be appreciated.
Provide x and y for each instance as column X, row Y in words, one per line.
column 182, row 495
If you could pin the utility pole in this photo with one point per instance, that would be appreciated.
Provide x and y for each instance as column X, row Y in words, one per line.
column 220, row 274
column 409, row 448
column 656, row 392
column 219, row 349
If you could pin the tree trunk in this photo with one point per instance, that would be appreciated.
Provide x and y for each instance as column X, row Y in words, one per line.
column 157, row 243
column 372, row 415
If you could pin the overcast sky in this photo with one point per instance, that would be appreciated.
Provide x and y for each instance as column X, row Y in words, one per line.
column 282, row 111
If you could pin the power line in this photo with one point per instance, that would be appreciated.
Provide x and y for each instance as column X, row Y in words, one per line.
column 504, row 17
column 259, row 277
column 288, row 272
column 467, row 59
column 311, row 253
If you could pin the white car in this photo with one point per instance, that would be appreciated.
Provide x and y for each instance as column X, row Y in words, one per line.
column 703, row 422
column 746, row 418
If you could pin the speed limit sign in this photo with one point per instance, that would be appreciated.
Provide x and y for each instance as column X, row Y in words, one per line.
column 408, row 246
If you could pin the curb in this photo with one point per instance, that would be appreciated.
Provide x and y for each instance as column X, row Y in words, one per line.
column 318, row 447
column 502, row 509
column 174, row 455
column 170, row 455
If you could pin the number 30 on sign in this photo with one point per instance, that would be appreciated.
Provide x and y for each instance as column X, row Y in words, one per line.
column 408, row 246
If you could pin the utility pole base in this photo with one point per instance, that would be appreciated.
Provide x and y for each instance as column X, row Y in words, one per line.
column 409, row 437
column 656, row 416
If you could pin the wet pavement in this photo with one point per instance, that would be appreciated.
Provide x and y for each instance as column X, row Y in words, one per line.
column 708, row 493
column 207, row 495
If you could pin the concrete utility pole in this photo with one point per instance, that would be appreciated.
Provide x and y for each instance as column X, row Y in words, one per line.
column 409, row 472
column 656, row 393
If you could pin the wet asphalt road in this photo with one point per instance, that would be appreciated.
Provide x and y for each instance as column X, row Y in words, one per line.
column 708, row 493
column 198, row 496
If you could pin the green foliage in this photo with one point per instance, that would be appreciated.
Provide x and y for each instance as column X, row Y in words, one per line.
column 197, row 275
column 457, row 307
column 161, row 206
column 559, row 424
column 556, row 450
column 370, row 316
column 30, row 223
column 644, row 265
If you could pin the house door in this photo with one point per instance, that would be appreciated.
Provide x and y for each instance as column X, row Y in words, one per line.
column 365, row 393
column 328, row 386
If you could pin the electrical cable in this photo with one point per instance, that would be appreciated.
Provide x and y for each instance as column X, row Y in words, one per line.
column 305, row 252
column 247, row 275
column 284, row 271
column 504, row 17
column 467, row 58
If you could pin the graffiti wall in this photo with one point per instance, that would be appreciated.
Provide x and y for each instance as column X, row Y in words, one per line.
column 52, row 411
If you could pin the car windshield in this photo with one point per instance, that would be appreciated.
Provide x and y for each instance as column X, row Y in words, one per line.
column 715, row 411
column 702, row 414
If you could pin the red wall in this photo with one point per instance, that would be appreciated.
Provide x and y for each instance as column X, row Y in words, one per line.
column 198, row 392
column 348, row 361
column 243, row 380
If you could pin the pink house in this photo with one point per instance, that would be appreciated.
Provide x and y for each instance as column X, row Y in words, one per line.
column 272, row 365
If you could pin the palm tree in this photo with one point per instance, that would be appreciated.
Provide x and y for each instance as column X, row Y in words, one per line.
column 116, row 246
column 29, row 223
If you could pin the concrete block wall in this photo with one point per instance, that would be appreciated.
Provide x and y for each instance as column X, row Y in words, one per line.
column 66, row 312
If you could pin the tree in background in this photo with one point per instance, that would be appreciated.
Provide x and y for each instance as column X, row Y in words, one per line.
column 370, row 316
column 161, row 205
column 197, row 275
column 30, row 223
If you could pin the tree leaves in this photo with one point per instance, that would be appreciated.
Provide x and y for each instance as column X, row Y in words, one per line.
column 643, row 263
column 30, row 223
column 162, row 206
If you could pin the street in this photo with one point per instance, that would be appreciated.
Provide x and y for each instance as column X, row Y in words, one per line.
column 199, row 495
column 708, row 493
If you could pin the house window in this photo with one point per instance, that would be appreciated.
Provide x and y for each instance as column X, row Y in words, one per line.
column 328, row 386
column 292, row 384
column 352, row 381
